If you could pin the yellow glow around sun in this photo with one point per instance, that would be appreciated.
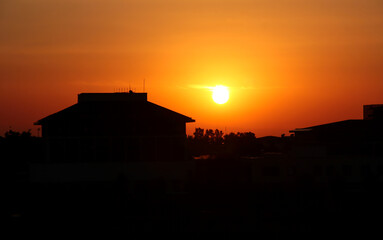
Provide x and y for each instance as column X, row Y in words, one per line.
column 220, row 94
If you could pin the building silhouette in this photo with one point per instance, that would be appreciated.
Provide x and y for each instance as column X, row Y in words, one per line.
column 347, row 137
column 106, row 136
column 108, row 127
column 349, row 151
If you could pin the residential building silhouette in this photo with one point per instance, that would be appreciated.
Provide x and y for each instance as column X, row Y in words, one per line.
column 347, row 137
column 349, row 151
column 108, row 135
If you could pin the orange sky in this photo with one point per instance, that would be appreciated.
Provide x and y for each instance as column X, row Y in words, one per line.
column 288, row 63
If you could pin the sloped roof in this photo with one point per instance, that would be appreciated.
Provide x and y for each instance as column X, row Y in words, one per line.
column 136, row 109
column 351, row 123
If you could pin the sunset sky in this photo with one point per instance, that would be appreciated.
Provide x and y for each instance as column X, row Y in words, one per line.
column 287, row 63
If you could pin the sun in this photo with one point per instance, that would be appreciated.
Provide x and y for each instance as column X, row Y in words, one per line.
column 220, row 94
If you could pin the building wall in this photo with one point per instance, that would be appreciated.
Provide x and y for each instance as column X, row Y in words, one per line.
column 115, row 149
column 101, row 126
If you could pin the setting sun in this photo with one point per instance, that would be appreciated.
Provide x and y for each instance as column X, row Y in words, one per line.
column 220, row 94
column 278, row 59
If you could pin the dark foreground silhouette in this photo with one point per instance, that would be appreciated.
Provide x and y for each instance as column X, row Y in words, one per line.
column 260, row 193
column 117, row 161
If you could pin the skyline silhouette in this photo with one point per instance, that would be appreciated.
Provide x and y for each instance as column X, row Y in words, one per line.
column 117, row 161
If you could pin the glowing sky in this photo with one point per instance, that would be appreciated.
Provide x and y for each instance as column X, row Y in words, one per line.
column 288, row 63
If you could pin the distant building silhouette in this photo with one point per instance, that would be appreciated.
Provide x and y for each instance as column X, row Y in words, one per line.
column 350, row 151
column 108, row 135
column 354, row 135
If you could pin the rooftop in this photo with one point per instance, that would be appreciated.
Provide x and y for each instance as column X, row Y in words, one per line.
column 112, row 97
column 126, row 105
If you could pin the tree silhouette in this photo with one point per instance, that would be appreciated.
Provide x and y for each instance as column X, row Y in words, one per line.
column 198, row 134
column 216, row 143
column 13, row 135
